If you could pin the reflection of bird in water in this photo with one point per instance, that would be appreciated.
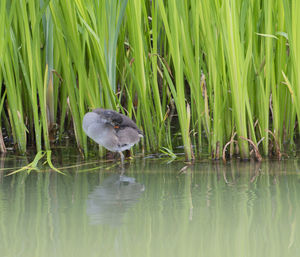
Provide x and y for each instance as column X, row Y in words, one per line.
column 113, row 130
column 108, row 202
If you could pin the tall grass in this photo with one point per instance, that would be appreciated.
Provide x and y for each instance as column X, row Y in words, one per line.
column 190, row 73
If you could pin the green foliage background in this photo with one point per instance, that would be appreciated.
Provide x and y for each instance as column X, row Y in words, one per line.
column 190, row 72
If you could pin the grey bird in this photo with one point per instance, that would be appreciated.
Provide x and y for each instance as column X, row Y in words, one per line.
column 113, row 130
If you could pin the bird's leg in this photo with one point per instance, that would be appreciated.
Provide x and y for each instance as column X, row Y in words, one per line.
column 122, row 158
column 122, row 164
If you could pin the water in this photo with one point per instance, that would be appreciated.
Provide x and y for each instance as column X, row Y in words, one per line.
column 210, row 209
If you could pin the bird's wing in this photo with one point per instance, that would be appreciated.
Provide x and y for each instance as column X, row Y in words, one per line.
column 116, row 119
column 108, row 116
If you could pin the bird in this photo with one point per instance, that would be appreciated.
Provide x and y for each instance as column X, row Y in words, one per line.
column 113, row 130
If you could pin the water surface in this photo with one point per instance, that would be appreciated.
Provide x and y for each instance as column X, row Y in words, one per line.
column 209, row 209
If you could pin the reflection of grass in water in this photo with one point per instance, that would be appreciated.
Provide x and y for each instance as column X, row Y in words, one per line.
column 197, row 213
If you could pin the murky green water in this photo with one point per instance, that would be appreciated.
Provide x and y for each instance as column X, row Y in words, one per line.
column 240, row 209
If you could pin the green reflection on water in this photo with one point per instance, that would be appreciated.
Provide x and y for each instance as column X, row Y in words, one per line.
column 241, row 209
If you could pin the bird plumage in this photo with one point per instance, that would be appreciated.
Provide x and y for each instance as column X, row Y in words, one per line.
column 113, row 130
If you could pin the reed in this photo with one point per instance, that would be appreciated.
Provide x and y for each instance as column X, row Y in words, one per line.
column 190, row 73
